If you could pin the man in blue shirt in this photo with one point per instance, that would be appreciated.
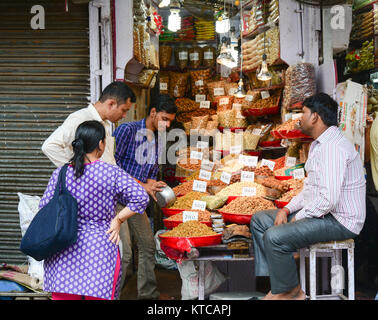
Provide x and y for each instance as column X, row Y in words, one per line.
column 137, row 152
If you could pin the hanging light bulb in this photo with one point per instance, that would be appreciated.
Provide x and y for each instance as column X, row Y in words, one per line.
column 225, row 57
column 240, row 92
column 174, row 20
column 222, row 25
column 264, row 74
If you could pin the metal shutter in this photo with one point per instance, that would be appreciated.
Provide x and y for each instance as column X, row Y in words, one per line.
column 44, row 76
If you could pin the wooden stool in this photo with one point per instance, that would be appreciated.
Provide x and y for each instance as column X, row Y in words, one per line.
column 328, row 249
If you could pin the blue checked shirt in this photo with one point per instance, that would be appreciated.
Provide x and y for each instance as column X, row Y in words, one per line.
column 134, row 153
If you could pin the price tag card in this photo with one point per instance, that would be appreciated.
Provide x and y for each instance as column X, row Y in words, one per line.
column 202, row 144
column 199, row 205
column 232, row 91
column 256, row 132
column 205, row 175
column 247, row 176
column 224, row 101
column 236, row 149
column 199, row 83
column 249, row 161
column 189, row 216
column 265, row 94
column 205, row 104
column 296, row 116
column 194, row 56
column 299, row 173
column 163, row 86
column 248, row 191
column 200, row 97
column 199, row 186
column 208, row 55
column 236, row 106
column 183, row 55
column 217, row 155
column 207, row 165
column 196, row 155
column 290, row 161
column 218, row 91
column 226, row 177
column 249, row 98
column 268, row 163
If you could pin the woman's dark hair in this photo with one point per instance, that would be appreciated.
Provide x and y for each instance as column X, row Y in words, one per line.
column 325, row 107
column 119, row 91
column 87, row 137
column 165, row 104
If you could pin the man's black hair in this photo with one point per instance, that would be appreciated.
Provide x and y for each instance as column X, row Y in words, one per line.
column 325, row 107
column 164, row 104
column 119, row 91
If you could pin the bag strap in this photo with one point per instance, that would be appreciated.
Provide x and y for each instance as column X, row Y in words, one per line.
column 61, row 184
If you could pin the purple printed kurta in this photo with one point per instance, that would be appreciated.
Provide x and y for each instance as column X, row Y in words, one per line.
column 87, row 267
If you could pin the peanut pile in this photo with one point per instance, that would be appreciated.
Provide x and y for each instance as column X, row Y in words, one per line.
column 248, row 205
column 190, row 229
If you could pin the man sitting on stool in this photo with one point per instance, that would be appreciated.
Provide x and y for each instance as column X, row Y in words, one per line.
column 331, row 206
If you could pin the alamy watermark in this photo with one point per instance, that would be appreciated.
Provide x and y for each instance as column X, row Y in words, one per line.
column 38, row 20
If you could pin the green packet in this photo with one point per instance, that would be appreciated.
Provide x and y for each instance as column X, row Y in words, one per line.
column 289, row 172
column 214, row 202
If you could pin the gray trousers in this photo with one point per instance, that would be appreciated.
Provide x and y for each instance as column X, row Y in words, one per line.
column 274, row 245
column 140, row 227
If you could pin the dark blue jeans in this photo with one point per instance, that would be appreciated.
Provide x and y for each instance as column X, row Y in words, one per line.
column 274, row 245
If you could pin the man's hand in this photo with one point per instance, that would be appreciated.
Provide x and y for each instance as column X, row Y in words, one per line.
column 153, row 186
column 293, row 220
column 281, row 217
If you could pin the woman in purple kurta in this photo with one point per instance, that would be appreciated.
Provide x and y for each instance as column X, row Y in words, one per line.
column 87, row 268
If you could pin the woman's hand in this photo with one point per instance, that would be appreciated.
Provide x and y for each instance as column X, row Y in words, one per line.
column 115, row 226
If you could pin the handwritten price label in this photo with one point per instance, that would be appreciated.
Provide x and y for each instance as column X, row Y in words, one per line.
column 236, row 149
column 299, row 174
column 290, row 162
column 247, row 176
column 196, row 155
column 207, row 165
column 219, row 92
column 200, row 97
column 249, row 161
column 248, row 191
column 199, row 186
column 268, row 163
column 205, row 175
column 199, row 205
column 226, row 177
column 205, row 104
column 189, row 216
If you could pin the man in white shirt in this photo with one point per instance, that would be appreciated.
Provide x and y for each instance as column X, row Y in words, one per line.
column 330, row 207
column 112, row 106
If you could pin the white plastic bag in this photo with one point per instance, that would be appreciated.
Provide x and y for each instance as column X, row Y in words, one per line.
column 28, row 207
column 160, row 256
column 189, row 276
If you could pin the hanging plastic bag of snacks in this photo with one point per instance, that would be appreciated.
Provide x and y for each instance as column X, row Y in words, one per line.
column 182, row 57
column 195, row 57
column 165, row 55
column 208, row 56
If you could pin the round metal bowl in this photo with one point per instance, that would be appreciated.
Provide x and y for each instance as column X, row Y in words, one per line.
column 166, row 197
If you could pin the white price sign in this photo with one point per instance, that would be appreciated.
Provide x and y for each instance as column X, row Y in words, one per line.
column 236, row 149
column 199, row 186
column 290, row 161
column 205, row 104
column 249, row 161
column 200, row 97
column 194, row 56
column 202, row 144
column 268, row 163
column 218, row 91
column 163, row 86
column 299, row 174
column 207, row 165
column 205, row 175
column 199, row 83
column 248, row 191
column 189, row 216
column 249, row 98
column 226, row 177
column 247, row 176
column 256, row 132
column 236, row 106
column 196, row 155
column 265, row 94
column 224, row 101
column 183, row 55
column 296, row 116
column 199, row 205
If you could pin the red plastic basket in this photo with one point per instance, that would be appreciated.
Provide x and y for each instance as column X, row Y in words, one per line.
column 276, row 134
column 296, row 134
column 186, row 243
column 259, row 112
column 280, row 204
column 231, row 198
column 170, row 224
column 236, row 218
column 171, row 212
column 267, row 144
column 283, row 177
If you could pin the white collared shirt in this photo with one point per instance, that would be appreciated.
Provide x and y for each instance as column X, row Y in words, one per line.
column 57, row 147
column 335, row 182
